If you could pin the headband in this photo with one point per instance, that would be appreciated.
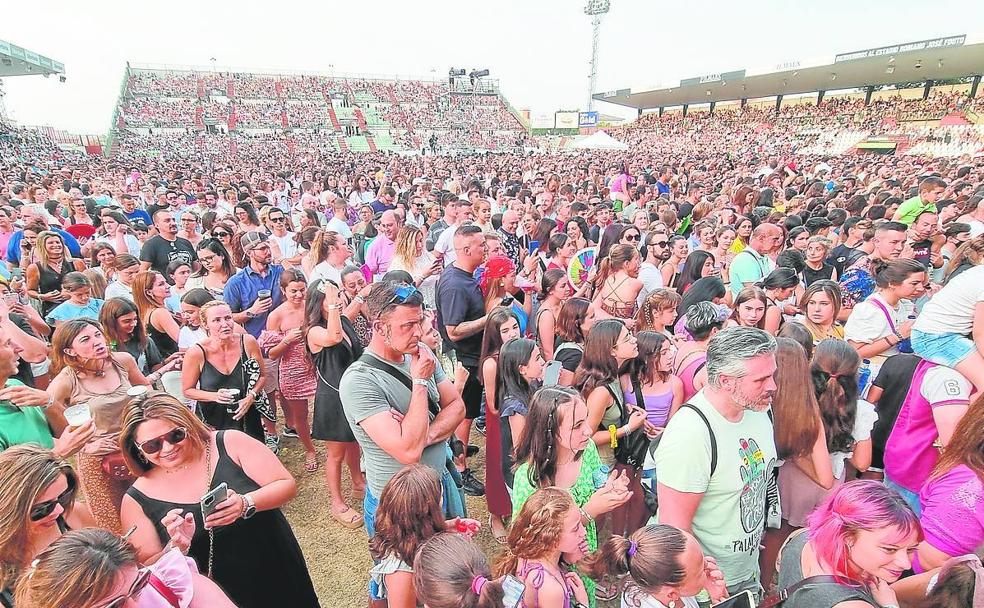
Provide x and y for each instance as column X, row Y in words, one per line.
column 477, row 583
column 974, row 563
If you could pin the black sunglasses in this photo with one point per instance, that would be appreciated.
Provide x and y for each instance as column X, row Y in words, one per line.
column 631, row 237
column 278, row 219
column 658, row 243
column 44, row 509
column 174, row 437
column 219, row 235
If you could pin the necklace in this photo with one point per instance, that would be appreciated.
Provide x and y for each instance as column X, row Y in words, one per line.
column 177, row 469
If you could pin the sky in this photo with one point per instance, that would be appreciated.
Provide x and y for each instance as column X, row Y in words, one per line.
column 538, row 49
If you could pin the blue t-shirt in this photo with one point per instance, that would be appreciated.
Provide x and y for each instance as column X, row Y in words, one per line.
column 67, row 311
column 139, row 214
column 241, row 292
column 14, row 248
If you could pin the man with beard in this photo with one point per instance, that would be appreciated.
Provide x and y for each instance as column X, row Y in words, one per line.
column 715, row 459
column 654, row 252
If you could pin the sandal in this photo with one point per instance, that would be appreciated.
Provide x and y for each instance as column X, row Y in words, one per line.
column 352, row 522
column 311, row 463
column 499, row 538
column 606, row 591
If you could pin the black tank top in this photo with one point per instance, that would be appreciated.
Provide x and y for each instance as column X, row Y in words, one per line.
column 166, row 345
column 49, row 280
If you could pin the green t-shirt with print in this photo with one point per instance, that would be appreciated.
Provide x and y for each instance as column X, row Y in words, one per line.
column 23, row 424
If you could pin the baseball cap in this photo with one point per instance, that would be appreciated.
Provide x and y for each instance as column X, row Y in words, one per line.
column 251, row 240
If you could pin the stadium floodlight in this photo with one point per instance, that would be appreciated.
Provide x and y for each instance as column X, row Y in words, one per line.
column 595, row 9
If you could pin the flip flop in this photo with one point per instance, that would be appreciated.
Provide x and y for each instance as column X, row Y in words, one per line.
column 499, row 538
column 352, row 522
column 311, row 463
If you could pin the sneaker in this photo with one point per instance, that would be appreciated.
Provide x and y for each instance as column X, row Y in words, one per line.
column 480, row 425
column 471, row 485
column 289, row 432
column 273, row 442
column 471, row 451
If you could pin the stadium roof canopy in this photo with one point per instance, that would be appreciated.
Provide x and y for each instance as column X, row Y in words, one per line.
column 18, row 61
column 935, row 59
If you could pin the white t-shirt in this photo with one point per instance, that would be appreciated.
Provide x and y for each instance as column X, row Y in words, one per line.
column 324, row 270
column 868, row 322
column 864, row 420
column 287, row 244
column 118, row 290
column 445, row 245
column 976, row 228
column 339, row 226
column 651, row 281
column 951, row 311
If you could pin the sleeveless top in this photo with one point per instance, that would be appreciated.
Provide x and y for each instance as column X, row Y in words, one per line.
column 106, row 408
column 657, row 406
column 50, row 280
column 824, row 595
column 165, row 343
column 614, row 305
column 690, row 371
column 211, row 379
column 538, row 575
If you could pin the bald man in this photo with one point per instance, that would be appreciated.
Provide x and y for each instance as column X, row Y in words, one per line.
column 380, row 253
column 753, row 264
column 508, row 236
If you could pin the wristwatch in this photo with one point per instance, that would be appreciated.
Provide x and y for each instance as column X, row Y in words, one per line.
column 249, row 507
column 250, row 314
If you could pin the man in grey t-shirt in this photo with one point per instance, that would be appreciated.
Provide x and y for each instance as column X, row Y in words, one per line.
column 392, row 424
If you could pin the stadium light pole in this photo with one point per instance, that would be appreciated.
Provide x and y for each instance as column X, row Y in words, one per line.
column 596, row 9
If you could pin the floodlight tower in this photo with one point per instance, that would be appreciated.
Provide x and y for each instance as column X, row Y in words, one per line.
column 596, row 9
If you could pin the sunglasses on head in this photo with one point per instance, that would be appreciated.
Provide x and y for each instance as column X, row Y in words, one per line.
column 143, row 577
column 173, row 437
column 46, row 508
column 401, row 295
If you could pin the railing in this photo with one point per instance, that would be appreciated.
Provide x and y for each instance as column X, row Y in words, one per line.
column 164, row 67
column 114, row 125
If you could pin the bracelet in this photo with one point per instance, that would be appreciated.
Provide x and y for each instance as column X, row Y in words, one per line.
column 613, row 435
column 51, row 401
column 335, row 307
column 584, row 515
column 421, row 382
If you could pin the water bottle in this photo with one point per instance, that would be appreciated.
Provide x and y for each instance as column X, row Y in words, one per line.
column 864, row 374
column 905, row 346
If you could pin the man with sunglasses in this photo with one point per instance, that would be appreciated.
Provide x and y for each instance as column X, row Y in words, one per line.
column 387, row 396
column 242, row 291
column 282, row 242
column 655, row 251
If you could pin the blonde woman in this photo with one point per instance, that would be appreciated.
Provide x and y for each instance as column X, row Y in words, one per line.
column 411, row 256
column 45, row 276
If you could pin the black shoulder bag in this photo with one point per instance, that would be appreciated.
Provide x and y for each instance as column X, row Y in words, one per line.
column 633, row 446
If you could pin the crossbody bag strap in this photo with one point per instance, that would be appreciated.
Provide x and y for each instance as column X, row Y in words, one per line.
column 404, row 379
column 780, row 598
column 888, row 316
column 710, row 433
column 164, row 591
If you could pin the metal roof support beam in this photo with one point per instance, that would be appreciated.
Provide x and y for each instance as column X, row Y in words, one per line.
column 661, row 108
column 778, row 103
column 744, row 102
column 820, row 96
column 712, row 106
column 868, row 91
column 929, row 85
column 639, row 114
column 685, row 106
column 976, row 82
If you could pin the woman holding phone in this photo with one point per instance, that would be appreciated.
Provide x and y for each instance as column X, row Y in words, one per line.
column 242, row 540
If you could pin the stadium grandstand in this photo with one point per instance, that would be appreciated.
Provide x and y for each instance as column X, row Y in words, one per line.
column 917, row 98
column 186, row 111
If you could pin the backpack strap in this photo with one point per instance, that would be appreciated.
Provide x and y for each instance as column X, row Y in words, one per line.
column 710, row 433
column 166, row 593
column 386, row 368
column 811, row 581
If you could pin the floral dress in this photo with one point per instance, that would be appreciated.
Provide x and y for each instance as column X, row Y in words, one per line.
column 582, row 490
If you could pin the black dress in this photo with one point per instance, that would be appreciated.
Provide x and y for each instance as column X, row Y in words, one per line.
column 49, row 280
column 811, row 276
column 256, row 561
column 215, row 414
column 330, row 423
column 166, row 345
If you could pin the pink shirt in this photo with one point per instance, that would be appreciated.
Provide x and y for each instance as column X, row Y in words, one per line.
column 4, row 241
column 177, row 573
column 953, row 511
column 380, row 254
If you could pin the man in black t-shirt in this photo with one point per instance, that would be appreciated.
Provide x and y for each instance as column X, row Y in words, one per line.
column 921, row 245
column 166, row 246
column 461, row 319
column 850, row 251
column 887, row 393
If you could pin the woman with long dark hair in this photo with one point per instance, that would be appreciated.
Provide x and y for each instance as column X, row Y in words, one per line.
column 246, row 216
column 650, row 377
column 575, row 320
column 519, row 373
column 124, row 332
column 554, row 289
column 215, row 268
column 699, row 264
column 778, row 286
column 500, row 327
column 334, row 345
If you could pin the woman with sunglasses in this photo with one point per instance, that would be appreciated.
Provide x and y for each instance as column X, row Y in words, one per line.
column 38, row 506
column 215, row 268
column 87, row 372
column 95, row 568
column 246, row 544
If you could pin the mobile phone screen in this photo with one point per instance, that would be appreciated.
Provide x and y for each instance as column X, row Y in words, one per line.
column 512, row 591
column 742, row 600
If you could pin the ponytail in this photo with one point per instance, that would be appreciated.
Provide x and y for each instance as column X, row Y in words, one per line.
column 610, row 560
column 450, row 571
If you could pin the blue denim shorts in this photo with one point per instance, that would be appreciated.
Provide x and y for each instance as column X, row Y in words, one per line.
column 944, row 349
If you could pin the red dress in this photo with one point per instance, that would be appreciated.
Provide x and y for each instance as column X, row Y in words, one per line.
column 297, row 380
column 496, row 494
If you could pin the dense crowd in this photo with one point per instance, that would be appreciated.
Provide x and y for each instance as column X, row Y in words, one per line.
column 708, row 366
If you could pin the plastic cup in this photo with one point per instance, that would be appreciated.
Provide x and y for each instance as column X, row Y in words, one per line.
column 263, row 293
column 78, row 414
column 232, row 393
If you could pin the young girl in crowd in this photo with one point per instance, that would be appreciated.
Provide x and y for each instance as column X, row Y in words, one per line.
column 409, row 513
column 283, row 340
column 618, row 284
column 124, row 331
column 215, row 268
column 150, row 290
column 127, row 267
column 547, row 536
column 704, row 319
column 576, row 318
column 821, row 303
column 80, row 303
column 778, row 286
column 501, row 327
column 749, row 309
column 554, row 289
column 177, row 274
column 556, row 450
column 665, row 567
column 519, row 372
column 450, row 571
column 658, row 312
column 649, row 376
